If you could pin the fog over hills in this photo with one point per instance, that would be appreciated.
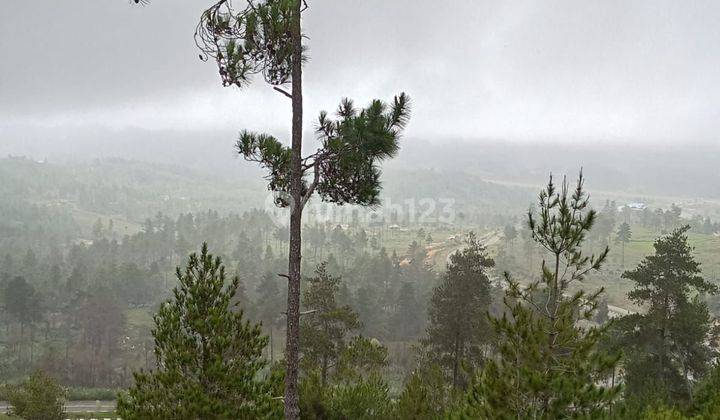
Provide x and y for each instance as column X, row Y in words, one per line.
column 628, row 93
column 384, row 241
column 682, row 169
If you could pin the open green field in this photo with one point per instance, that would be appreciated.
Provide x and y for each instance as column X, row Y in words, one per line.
column 706, row 251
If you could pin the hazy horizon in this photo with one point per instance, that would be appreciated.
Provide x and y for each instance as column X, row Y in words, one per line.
column 561, row 71
column 535, row 233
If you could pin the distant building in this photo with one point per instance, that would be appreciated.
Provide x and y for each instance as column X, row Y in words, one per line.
column 633, row 206
column 637, row 206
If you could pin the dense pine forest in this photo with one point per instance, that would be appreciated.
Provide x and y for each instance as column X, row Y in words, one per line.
column 267, row 209
column 401, row 315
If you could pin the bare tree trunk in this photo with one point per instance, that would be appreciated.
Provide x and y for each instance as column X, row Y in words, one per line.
column 456, row 362
column 272, row 349
column 32, row 342
column 292, row 346
column 612, row 385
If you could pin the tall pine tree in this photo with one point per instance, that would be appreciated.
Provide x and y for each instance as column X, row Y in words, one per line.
column 208, row 356
column 405, row 324
column 325, row 326
column 548, row 364
column 267, row 307
column 665, row 346
column 623, row 235
column 458, row 332
column 265, row 37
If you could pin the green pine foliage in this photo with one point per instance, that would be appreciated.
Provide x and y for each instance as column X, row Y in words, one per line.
column 459, row 334
column 265, row 37
column 324, row 328
column 665, row 346
column 270, row 297
column 405, row 323
column 22, row 302
column 40, row 397
column 623, row 236
column 362, row 357
column 361, row 398
column 368, row 398
column 548, row 364
column 706, row 398
column 208, row 356
column 345, row 168
column 314, row 397
column 425, row 396
column 256, row 40
column 259, row 40
column 415, row 402
column 341, row 374
column 663, row 413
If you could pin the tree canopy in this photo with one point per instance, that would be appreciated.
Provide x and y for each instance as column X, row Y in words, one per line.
column 208, row 357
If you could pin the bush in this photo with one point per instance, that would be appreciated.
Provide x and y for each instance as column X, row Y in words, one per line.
column 38, row 398
column 314, row 398
column 425, row 396
column 357, row 399
column 707, row 392
column 663, row 413
column 209, row 357
column 365, row 399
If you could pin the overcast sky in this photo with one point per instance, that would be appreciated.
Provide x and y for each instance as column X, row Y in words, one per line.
column 516, row 70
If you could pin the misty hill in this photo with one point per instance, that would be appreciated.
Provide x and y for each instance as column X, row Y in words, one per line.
column 640, row 169
column 120, row 188
column 680, row 170
column 468, row 191
column 130, row 191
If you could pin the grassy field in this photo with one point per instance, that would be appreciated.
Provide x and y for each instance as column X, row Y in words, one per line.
column 706, row 251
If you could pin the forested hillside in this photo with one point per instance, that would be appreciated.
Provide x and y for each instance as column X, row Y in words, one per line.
column 352, row 210
column 89, row 252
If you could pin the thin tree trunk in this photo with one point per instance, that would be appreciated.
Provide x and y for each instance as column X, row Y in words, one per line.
column 292, row 346
column 612, row 385
column 663, row 331
column 32, row 339
column 456, row 362
column 272, row 349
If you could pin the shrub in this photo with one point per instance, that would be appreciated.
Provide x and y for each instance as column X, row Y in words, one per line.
column 365, row 399
column 38, row 398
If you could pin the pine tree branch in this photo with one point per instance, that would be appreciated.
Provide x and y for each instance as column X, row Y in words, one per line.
column 284, row 92
column 312, row 158
column 310, row 312
column 313, row 185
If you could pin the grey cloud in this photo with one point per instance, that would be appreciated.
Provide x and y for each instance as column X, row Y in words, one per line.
column 527, row 70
